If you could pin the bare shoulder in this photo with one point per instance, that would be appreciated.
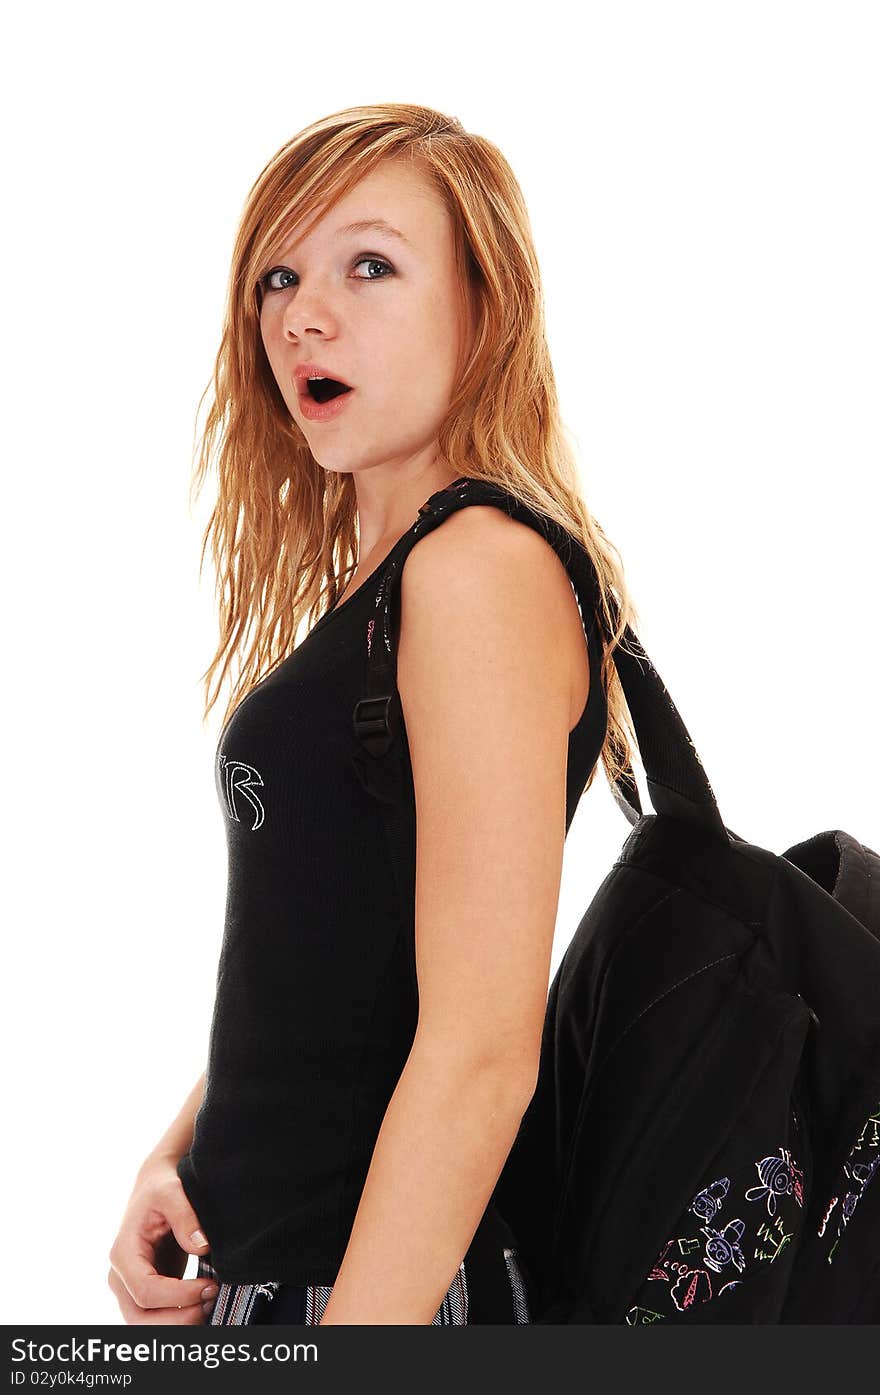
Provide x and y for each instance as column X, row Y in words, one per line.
column 481, row 554
column 484, row 591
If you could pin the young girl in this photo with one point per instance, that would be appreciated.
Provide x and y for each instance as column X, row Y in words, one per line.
column 380, row 997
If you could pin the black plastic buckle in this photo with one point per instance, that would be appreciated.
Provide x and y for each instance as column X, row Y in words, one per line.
column 371, row 717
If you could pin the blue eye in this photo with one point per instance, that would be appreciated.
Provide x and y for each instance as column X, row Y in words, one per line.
column 265, row 282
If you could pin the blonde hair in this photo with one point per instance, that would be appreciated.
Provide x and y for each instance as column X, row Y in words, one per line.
column 283, row 531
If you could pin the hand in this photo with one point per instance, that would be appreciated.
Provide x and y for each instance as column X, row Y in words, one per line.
column 149, row 1254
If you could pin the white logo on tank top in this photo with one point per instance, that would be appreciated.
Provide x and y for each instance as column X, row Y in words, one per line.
column 238, row 781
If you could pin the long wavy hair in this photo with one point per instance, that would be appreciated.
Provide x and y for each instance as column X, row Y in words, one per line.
column 283, row 531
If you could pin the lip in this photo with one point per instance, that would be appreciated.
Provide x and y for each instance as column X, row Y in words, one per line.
column 304, row 371
column 318, row 411
column 323, row 411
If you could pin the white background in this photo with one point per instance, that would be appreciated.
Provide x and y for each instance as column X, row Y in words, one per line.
column 702, row 182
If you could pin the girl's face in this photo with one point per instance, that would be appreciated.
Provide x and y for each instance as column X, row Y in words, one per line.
column 377, row 309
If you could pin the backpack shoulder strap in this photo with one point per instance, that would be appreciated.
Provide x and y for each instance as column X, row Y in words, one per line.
column 377, row 716
column 676, row 780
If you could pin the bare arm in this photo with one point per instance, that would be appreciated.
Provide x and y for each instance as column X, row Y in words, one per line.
column 178, row 1137
column 485, row 684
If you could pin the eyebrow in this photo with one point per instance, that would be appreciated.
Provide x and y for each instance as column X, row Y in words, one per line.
column 373, row 225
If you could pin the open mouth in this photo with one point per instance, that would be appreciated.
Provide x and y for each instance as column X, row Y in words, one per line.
column 323, row 389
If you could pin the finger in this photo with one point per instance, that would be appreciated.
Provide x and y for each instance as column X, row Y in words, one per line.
column 190, row 1315
column 185, row 1224
column 132, row 1258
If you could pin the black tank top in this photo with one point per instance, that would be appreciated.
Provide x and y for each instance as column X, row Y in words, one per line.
column 316, row 999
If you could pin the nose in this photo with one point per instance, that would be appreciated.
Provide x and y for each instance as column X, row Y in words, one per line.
column 307, row 313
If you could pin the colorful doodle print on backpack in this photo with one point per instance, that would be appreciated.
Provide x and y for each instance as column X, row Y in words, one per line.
column 698, row 1264
column 861, row 1165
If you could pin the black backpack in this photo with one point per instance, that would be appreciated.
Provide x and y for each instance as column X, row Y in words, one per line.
column 706, row 1124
